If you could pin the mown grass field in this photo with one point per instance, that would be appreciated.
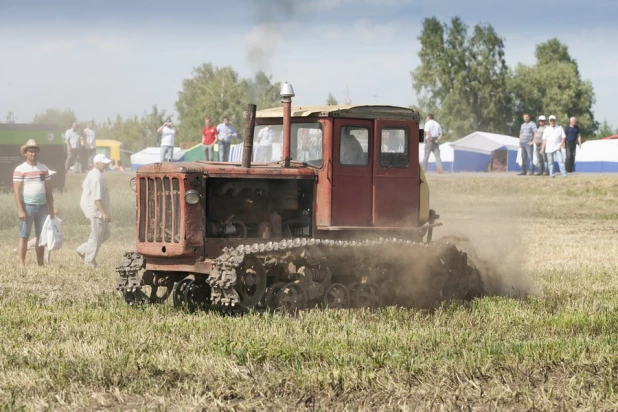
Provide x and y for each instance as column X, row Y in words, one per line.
column 68, row 342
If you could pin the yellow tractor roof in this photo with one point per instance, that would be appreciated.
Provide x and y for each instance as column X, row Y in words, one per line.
column 357, row 111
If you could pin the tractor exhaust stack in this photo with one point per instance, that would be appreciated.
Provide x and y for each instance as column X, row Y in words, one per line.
column 287, row 92
column 247, row 151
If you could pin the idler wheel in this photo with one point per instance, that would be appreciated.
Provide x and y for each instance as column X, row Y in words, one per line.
column 292, row 298
column 366, row 295
column 178, row 294
column 197, row 295
column 336, row 296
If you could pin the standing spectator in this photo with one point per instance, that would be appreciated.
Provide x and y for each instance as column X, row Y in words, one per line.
column 168, row 133
column 95, row 205
column 225, row 133
column 90, row 144
column 553, row 143
column 573, row 139
column 265, row 140
column 34, row 198
column 209, row 137
column 538, row 144
column 433, row 134
column 526, row 135
column 72, row 141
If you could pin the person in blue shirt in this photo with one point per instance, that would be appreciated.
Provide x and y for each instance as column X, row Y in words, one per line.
column 526, row 137
column 225, row 132
column 573, row 139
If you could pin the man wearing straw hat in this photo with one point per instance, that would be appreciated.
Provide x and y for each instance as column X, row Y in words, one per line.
column 34, row 199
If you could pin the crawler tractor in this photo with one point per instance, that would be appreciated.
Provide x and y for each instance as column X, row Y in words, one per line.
column 328, row 208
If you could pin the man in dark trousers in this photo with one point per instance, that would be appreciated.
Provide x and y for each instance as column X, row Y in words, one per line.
column 573, row 139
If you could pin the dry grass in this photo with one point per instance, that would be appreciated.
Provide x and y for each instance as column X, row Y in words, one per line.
column 68, row 342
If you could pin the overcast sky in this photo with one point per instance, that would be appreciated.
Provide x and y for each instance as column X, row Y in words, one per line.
column 103, row 58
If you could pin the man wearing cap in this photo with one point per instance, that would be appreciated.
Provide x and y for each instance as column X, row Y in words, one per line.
column 95, row 205
column 526, row 135
column 72, row 141
column 538, row 144
column 573, row 139
column 34, row 199
column 168, row 133
column 553, row 143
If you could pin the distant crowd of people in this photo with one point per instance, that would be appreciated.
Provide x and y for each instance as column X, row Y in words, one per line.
column 548, row 142
column 221, row 134
column 82, row 148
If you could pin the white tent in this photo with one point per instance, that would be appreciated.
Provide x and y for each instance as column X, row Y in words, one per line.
column 478, row 151
column 153, row 155
column 446, row 155
column 597, row 156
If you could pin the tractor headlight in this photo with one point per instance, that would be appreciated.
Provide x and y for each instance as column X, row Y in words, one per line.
column 133, row 184
column 192, row 197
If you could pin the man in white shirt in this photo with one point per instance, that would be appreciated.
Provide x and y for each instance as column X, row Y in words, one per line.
column 433, row 134
column 95, row 204
column 71, row 140
column 554, row 140
column 168, row 133
column 90, row 143
column 265, row 139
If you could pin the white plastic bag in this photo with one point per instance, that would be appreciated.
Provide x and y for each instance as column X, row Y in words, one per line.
column 51, row 234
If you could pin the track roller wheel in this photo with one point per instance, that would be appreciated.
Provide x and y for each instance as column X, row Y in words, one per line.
column 251, row 283
column 270, row 297
column 336, row 296
column 178, row 294
column 197, row 295
column 291, row 298
column 366, row 295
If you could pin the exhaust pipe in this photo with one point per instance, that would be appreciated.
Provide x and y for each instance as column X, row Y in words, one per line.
column 247, row 150
column 287, row 92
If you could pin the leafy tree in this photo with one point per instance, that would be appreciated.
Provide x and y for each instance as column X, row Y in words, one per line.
column 214, row 92
column 463, row 78
column 63, row 118
column 331, row 101
column 553, row 86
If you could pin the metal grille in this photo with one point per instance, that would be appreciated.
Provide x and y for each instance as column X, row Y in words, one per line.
column 159, row 214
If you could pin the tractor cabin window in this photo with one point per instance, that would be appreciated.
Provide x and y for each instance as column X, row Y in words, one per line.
column 354, row 146
column 305, row 145
column 394, row 148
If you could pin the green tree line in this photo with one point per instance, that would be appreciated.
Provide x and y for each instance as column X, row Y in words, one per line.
column 462, row 78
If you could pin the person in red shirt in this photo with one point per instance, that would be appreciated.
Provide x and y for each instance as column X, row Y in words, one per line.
column 209, row 137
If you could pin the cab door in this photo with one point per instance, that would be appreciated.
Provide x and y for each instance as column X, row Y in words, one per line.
column 352, row 188
column 396, row 173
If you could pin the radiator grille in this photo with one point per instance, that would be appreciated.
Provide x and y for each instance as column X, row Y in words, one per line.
column 159, row 214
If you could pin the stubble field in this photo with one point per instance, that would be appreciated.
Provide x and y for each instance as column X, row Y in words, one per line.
column 549, row 342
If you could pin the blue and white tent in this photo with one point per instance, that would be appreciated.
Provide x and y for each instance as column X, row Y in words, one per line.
column 597, row 156
column 153, row 155
column 446, row 155
column 483, row 152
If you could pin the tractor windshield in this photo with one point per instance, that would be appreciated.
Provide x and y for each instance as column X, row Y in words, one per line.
column 306, row 143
